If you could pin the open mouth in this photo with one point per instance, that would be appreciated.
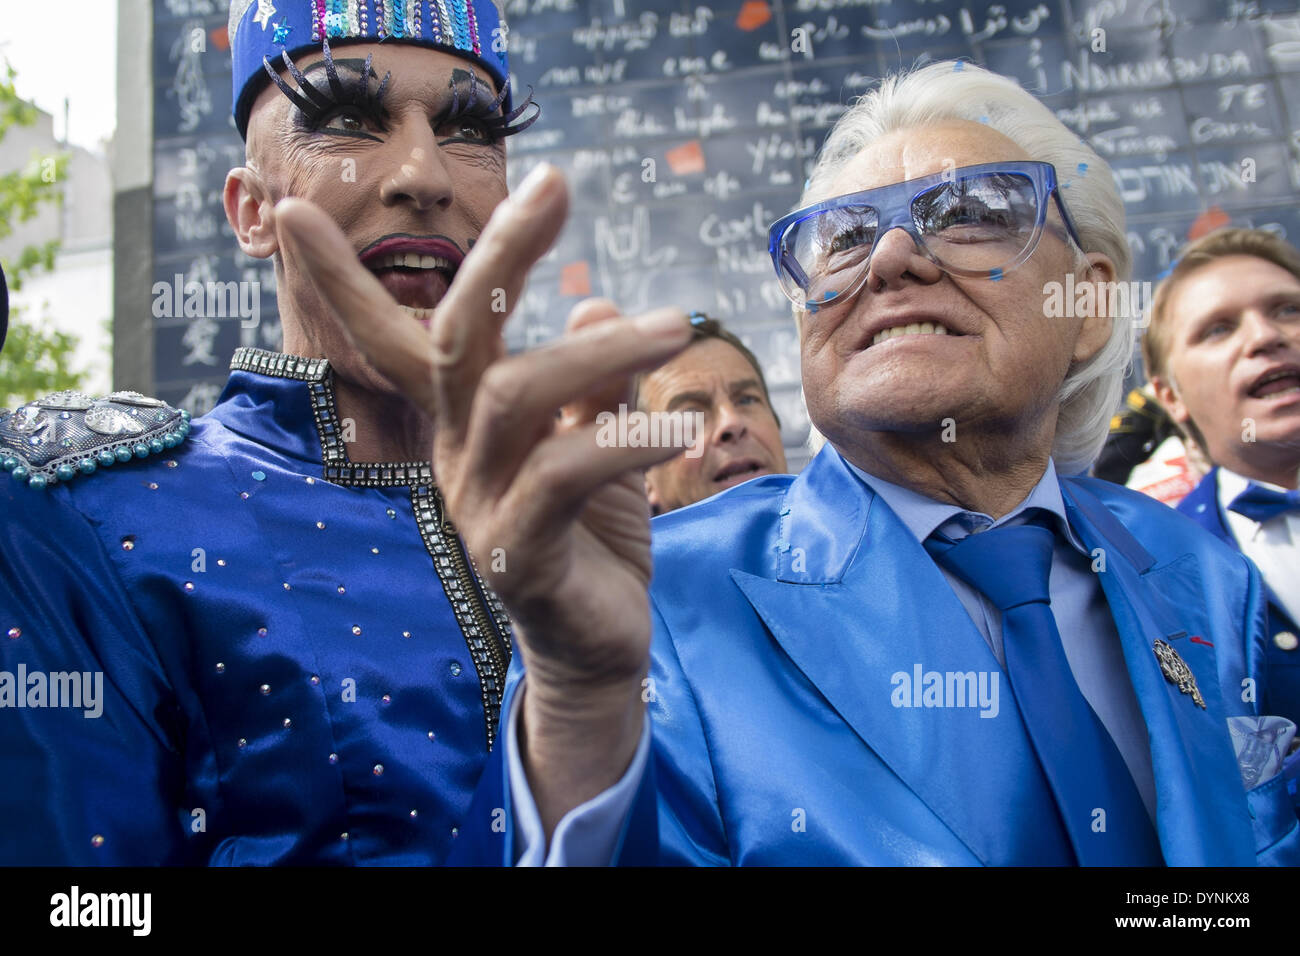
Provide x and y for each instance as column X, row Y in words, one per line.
column 740, row 470
column 416, row 272
column 1282, row 381
column 913, row 328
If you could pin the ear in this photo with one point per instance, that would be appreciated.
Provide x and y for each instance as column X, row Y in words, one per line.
column 250, row 212
column 1096, row 328
column 651, row 494
column 1168, row 397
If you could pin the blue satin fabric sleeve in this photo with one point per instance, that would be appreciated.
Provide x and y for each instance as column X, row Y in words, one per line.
column 589, row 834
column 668, row 813
column 690, row 829
column 81, row 790
column 665, row 813
column 503, row 828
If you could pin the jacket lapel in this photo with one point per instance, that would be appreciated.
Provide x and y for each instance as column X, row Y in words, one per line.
column 1202, row 506
column 862, row 610
column 1200, row 815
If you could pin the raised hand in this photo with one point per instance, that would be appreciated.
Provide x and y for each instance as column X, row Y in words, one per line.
column 566, row 518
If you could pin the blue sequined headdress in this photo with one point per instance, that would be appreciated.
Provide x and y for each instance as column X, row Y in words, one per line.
column 472, row 29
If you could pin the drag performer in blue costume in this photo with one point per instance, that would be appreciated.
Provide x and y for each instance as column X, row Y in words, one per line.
column 256, row 638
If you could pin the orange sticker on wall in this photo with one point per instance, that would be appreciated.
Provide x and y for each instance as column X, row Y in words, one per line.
column 575, row 279
column 686, row 159
column 1208, row 221
column 753, row 14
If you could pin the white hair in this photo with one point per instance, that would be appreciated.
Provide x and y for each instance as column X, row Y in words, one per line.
column 957, row 90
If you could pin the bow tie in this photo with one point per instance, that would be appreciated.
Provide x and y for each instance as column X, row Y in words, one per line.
column 1259, row 503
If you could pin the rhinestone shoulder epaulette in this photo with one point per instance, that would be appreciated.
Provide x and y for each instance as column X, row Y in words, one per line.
column 68, row 433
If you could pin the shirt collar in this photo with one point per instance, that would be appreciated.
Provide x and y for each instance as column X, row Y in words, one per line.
column 923, row 515
column 286, row 402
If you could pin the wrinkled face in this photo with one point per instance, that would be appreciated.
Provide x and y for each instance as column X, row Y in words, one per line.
column 410, row 177
column 740, row 440
column 1001, row 362
column 1234, row 354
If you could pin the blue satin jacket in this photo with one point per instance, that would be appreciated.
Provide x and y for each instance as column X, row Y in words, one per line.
column 285, row 679
column 783, row 607
column 1202, row 506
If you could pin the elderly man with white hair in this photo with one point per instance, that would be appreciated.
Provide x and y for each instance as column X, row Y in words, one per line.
column 934, row 646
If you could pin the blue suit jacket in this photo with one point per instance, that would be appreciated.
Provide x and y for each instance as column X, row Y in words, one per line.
column 781, row 610
column 1202, row 506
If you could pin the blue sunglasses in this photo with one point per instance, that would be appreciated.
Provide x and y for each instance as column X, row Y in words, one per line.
column 975, row 221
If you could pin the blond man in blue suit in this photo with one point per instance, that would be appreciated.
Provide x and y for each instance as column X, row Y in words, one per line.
column 932, row 647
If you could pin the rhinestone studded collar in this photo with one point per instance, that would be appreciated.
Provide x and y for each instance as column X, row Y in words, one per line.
column 479, row 612
column 318, row 375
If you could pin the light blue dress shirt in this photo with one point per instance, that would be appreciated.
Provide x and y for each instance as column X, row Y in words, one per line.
column 587, row 834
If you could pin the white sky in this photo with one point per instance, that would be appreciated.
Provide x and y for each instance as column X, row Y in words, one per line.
column 68, row 48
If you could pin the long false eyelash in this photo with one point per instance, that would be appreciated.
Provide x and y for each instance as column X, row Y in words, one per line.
column 315, row 104
column 496, row 125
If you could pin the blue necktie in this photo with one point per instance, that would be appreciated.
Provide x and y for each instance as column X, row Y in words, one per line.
column 1259, row 503
column 1011, row 566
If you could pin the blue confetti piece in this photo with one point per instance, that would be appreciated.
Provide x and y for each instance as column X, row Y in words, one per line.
column 1083, row 169
column 995, row 275
column 829, row 295
column 259, row 476
column 958, row 66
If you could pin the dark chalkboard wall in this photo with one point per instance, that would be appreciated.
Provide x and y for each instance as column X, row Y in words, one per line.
column 685, row 129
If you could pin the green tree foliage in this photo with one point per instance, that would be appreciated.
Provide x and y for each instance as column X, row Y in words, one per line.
column 35, row 359
column 35, row 362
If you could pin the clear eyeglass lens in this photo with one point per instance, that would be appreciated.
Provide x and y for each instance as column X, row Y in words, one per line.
column 976, row 223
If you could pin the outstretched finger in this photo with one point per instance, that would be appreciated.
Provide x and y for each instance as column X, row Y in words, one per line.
column 387, row 336
column 518, row 396
column 466, row 328
column 588, row 313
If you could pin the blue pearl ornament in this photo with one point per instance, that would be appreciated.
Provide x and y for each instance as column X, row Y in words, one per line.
column 101, row 458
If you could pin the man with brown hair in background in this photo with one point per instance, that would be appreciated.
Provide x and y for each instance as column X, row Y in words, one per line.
column 719, row 378
column 1223, row 354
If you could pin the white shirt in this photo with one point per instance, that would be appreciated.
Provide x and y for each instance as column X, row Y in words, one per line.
column 1274, row 545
